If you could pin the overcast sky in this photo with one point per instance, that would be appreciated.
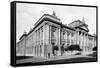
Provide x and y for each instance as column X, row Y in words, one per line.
column 28, row 14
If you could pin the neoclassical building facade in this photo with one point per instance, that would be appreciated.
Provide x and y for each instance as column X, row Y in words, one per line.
column 49, row 32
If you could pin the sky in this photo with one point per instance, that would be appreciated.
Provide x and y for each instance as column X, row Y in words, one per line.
column 28, row 14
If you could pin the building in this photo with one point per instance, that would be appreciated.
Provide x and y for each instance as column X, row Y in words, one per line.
column 49, row 32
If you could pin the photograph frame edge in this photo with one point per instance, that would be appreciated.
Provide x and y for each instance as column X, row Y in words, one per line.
column 13, row 28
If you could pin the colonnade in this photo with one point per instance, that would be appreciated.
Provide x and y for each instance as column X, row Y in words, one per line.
column 82, row 40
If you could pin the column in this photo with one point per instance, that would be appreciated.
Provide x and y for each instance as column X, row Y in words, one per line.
column 38, row 50
column 74, row 38
column 36, row 42
column 50, row 41
column 56, row 36
column 66, row 38
column 87, row 43
column 94, row 41
column 77, row 38
column 59, row 42
column 70, row 38
column 61, row 36
column 40, row 42
column 49, row 34
column 43, row 41
column 40, row 36
column 84, row 42
column 37, row 37
column 81, row 39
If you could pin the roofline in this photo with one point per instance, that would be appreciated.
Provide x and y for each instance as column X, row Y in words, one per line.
column 82, row 28
column 45, row 15
column 22, row 36
column 92, row 35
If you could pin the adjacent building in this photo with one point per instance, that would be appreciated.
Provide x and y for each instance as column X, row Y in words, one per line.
column 49, row 32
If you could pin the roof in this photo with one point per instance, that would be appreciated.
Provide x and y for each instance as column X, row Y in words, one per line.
column 46, row 16
column 50, row 18
column 23, row 35
column 79, row 24
column 92, row 35
column 76, row 23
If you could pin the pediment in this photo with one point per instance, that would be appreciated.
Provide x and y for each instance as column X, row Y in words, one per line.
column 76, row 23
column 48, row 17
column 84, row 27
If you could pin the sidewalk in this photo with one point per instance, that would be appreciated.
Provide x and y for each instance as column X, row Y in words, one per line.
column 43, row 59
column 86, row 53
column 68, row 57
column 33, row 59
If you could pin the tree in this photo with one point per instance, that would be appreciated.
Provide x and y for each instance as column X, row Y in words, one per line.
column 73, row 47
column 56, row 48
column 66, row 48
column 95, row 48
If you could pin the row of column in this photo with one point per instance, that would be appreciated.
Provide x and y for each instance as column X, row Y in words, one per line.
column 69, row 38
column 82, row 40
column 39, row 41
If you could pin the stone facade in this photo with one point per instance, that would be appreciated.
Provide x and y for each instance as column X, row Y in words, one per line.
column 49, row 32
